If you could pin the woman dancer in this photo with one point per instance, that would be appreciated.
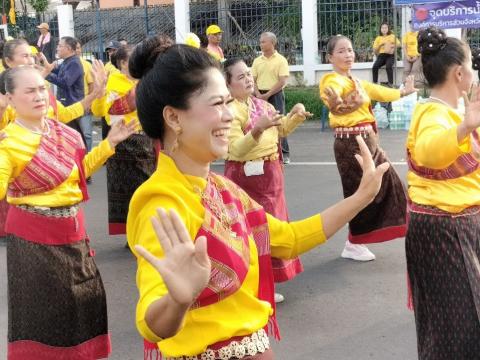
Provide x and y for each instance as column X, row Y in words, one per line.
column 19, row 53
column 215, row 294
column 443, row 238
column 56, row 300
column 134, row 160
column 253, row 161
column 350, row 114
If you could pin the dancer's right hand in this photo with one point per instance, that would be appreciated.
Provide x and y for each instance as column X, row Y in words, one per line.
column 266, row 121
column 472, row 109
column 372, row 176
column 186, row 267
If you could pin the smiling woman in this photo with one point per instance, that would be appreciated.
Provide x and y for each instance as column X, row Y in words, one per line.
column 209, row 241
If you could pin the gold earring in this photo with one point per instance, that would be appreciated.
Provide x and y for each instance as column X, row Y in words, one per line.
column 178, row 132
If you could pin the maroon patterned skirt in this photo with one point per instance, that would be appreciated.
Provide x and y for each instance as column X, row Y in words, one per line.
column 269, row 191
column 57, row 306
column 384, row 218
column 134, row 161
column 3, row 216
column 443, row 257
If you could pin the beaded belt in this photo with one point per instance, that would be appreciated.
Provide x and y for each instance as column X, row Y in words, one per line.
column 58, row 212
column 250, row 345
column 341, row 132
column 271, row 157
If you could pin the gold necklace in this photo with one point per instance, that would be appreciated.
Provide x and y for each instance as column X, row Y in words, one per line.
column 35, row 131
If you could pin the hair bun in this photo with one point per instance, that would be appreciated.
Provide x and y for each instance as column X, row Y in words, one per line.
column 476, row 58
column 431, row 40
column 146, row 53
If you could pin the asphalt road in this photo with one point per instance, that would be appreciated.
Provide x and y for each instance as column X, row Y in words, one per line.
column 336, row 310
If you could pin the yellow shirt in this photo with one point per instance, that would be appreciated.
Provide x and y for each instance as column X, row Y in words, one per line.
column 267, row 71
column 241, row 313
column 384, row 40
column 432, row 142
column 343, row 86
column 87, row 75
column 243, row 147
column 17, row 150
column 118, row 85
column 410, row 41
column 110, row 68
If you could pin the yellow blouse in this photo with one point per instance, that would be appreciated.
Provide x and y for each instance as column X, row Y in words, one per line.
column 383, row 40
column 410, row 41
column 17, row 150
column 241, row 313
column 65, row 114
column 343, row 86
column 243, row 147
column 432, row 142
column 118, row 85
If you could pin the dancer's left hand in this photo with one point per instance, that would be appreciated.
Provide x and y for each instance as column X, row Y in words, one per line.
column 120, row 131
column 299, row 109
column 409, row 86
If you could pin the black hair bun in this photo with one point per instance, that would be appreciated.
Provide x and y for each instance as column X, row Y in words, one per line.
column 431, row 40
column 145, row 54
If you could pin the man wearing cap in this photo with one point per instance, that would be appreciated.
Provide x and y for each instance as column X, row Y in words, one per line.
column 270, row 72
column 46, row 42
column 214, row 35
column 111, row 48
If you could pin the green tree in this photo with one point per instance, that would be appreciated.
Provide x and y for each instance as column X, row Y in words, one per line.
column 39, row 5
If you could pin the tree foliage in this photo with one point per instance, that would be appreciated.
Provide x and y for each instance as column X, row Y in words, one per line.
column 39, row 5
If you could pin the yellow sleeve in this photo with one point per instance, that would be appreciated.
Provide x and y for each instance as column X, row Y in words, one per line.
column 289, row 124
column 240, row 144
column 284, row 70
column 65, row 114
column 437, row 136
column 88, row 73
column 6, row 169
column 99, row 107
column 379, row 92
column 377, row 43
column 288, row 240
column 8, row 116
column 97, row 157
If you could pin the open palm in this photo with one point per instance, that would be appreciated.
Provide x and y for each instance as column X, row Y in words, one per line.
column 186, row 267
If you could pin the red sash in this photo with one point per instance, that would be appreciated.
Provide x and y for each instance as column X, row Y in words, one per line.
column 260, row 107
column 228, row 248
column 462, row 166
column 53, row 163
column 124, row 105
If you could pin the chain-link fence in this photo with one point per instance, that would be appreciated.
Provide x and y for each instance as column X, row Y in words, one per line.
column 242, row 23
column 359, row 20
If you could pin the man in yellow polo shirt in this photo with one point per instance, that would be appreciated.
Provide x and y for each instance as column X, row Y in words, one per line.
column 412, row 63
column 270, row 72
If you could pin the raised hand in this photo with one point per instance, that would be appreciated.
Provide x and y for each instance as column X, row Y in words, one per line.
column 186, row 267
column 299, row 109
column 46, row 67
column 267, row 120
column 99, row 78
column 472, row 109
column 409, row 86
column 372, row 176
column 120, row 131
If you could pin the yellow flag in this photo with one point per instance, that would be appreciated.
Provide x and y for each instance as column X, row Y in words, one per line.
column 11, row 13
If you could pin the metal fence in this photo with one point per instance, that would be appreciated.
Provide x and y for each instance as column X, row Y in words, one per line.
column 242, row 23
column 359, row 20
